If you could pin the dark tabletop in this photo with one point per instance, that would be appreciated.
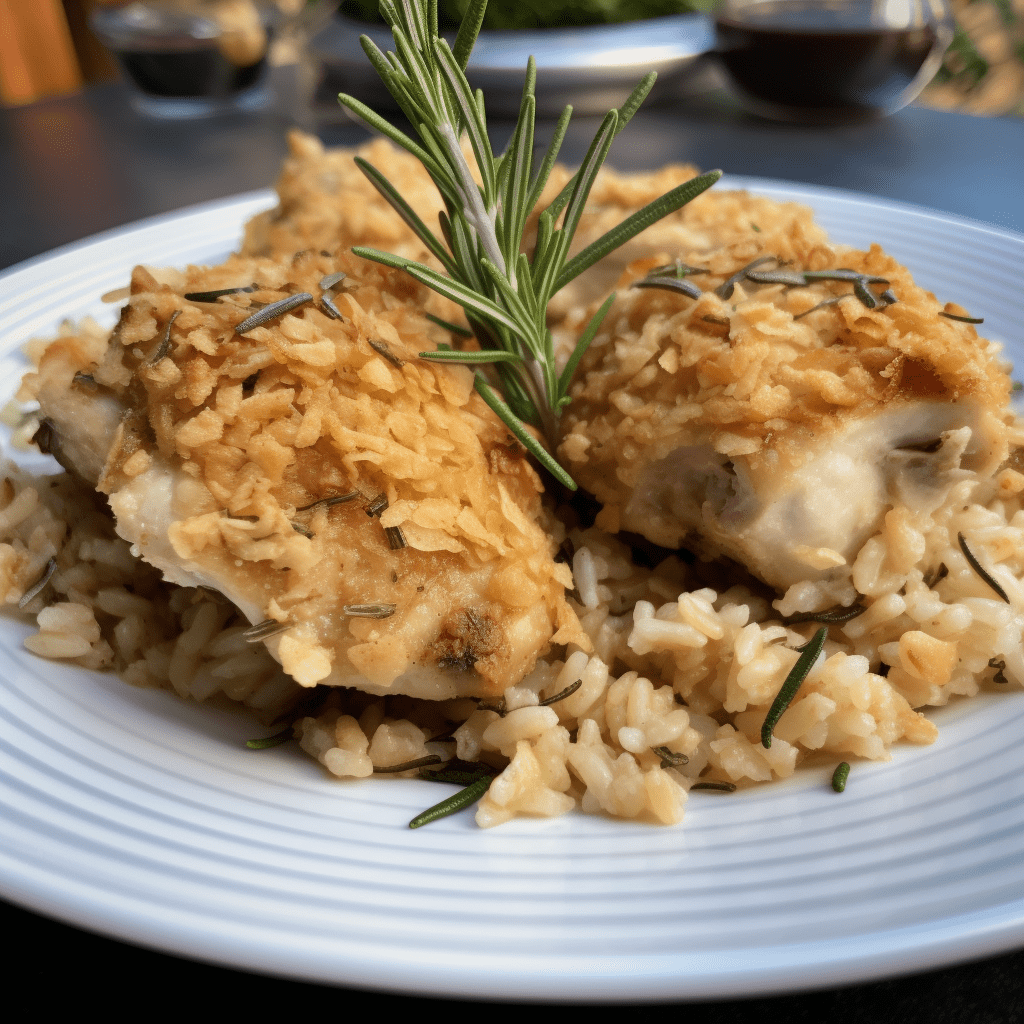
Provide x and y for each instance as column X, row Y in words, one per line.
column 75, row 166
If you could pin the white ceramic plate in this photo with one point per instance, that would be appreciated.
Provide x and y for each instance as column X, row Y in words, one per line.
column 143, row 817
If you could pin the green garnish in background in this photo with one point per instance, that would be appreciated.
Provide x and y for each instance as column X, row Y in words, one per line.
column 526, row 14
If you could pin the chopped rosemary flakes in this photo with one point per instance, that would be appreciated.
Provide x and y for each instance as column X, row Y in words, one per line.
column 499, row 707
column 382, row 349
column 300, row 528
column 562, row 694
column 672, row 284
column 328, row 306
column 566, row 551
column 962, row 319
column 459, row 773
column 165, row 342
column 715, row 787
column 273, row 310
column 407, row 766
column 270, row 741
column 670, row 758
column 821, row 305
column 840, row 775
column 1000, row 666
column 217, row 293
column 336, row 499
column 369, row 611
column 832, row 615
column 797, row 675
column 377, row 505
column 466, row 798
column 39, row 586
column 727, row 287
column 265, row 630
column 782, row 275
column 328, row 281
column 979, row 568
column 672, row 276
column 396, row 539
column 45, row 438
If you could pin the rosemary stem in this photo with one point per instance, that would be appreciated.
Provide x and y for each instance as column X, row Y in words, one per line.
column 537, row 388
column 472, row 202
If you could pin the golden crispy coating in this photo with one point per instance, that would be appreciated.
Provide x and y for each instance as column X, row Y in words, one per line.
column 228, row 438
column 325, row 200
column 729, row 398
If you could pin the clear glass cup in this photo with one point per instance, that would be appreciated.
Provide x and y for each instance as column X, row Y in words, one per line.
column 190, row 57
column 831, row 61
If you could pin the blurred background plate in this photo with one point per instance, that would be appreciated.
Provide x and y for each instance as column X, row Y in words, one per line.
column 594, row 68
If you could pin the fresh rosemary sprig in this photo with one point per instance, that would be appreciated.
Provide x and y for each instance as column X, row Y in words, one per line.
column 503, row 290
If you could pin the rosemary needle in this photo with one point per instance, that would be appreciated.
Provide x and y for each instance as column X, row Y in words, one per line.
column 832, row 615
column 40, row 584
column 803, row 665
column 470, row 772
column 454, row 328
column 216, row 293
column 165, row 342
column 840, row 775
column 270, row 741
column 562, row 694
column 670, row 758
column 406, row 766
column 272, row 311
column 979, row 568
column 464, row 798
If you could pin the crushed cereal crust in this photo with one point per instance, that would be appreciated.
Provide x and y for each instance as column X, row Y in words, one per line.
column 250, row 429
column 763, row 379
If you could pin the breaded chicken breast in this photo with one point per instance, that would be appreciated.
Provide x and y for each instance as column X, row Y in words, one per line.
column 777, row 419
column 363, row 507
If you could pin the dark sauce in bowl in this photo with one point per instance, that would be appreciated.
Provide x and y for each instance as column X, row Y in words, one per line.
column 826, row 62
column 200, row 72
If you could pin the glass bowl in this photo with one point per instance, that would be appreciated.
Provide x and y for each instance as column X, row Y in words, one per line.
column 190, row 57
column 831, row 61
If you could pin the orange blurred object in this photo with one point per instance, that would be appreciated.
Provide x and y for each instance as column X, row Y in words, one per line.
column 37, row 55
